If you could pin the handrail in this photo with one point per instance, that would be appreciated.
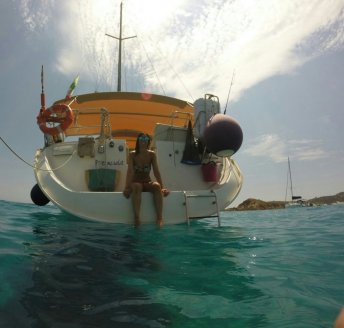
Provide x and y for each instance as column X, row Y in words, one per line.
column 97, row 111
column 188, row 117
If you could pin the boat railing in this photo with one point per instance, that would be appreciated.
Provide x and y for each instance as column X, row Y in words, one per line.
column 84, row 126
column 103, row 125
column 172, row 132
column 181, row 115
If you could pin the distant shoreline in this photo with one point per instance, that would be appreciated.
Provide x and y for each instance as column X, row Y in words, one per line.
column 252, row 204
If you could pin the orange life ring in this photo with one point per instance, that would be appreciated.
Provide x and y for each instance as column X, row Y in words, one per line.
column 46, row 116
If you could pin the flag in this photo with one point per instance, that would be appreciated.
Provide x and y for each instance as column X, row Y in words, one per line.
column 72, row 87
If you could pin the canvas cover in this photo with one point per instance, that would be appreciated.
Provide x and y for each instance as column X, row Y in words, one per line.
column 129, row 113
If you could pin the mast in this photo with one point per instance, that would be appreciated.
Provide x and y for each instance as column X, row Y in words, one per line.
column 120, row 39
column 291, row 181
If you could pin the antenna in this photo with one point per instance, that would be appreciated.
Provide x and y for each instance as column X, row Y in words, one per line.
column 42, row 93
column 229, row 92
column 120, row 39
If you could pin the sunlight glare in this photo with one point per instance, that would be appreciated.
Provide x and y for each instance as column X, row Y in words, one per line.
column 151, row 14
column 101, row 8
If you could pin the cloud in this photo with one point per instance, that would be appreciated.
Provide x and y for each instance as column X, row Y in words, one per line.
column 268, row 146
column 306, row 150
column 36, row 14
column 198, row 42
column 277, row 149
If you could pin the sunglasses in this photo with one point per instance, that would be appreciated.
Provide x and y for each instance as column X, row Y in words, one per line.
column 144, row 138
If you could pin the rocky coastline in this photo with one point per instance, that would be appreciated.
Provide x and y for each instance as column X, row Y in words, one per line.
column 252, row 204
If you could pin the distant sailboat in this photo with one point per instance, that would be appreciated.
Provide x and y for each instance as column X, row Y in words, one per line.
column 295, row 200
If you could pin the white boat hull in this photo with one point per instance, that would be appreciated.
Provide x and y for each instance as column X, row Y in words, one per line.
column 60, row 175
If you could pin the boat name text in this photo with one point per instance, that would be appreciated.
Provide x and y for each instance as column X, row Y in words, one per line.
column 109, row 163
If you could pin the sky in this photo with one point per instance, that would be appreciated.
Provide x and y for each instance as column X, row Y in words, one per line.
column 280, row 64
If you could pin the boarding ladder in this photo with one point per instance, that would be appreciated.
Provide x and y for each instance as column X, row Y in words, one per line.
column 212, row 194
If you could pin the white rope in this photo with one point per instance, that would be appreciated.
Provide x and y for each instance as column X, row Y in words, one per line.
column 56, row 168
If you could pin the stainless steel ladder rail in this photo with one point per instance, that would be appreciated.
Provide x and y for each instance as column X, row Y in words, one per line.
column 213, row 194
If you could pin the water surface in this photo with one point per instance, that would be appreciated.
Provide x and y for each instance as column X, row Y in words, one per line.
column 279, row 268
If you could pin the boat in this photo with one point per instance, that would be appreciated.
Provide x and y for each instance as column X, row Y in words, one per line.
column 295, row 201
column 87, row 138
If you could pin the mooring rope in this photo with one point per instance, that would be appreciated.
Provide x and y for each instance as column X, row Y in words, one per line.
column 35, row 167
column 22, row 159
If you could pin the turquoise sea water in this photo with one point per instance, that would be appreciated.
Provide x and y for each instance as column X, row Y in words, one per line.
column 280, row 268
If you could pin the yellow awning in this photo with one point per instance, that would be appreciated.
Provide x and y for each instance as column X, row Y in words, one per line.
column 129, row 113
